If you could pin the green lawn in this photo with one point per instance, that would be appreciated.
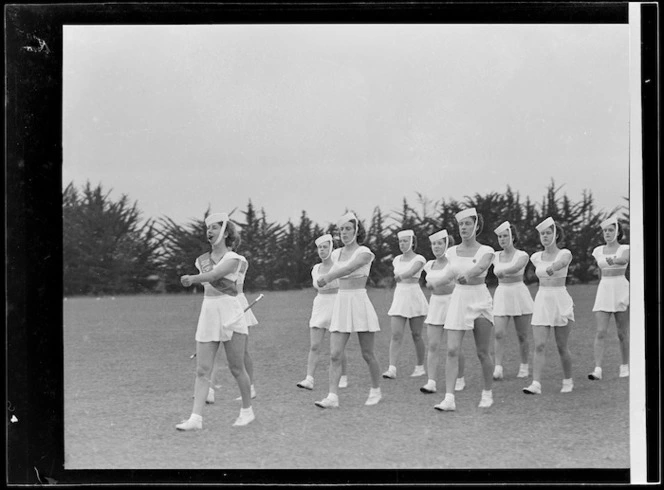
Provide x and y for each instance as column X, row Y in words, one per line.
column 129, row 379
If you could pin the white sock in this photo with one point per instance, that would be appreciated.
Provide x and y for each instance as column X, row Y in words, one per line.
column 420, row 366
column 196, row 417
column 598, row 370
column 431, row 383
column 374, row 391
column 523, row 366
column 568, row 381
column 309, row 378
column 246, row 411
column 537, row 383
column 333, row 396
column 487, row 393
column 449, row 396
column 392, row 368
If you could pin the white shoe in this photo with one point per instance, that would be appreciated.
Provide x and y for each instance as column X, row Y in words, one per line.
column 447, row 405
column 459, row 384
column 306, row 384
column 523, row 371
column 568, row 385
column 534, row 389
column 374, row 397
column 419, row 371
column 190, row 424
column 244, row 419
column 624, row 371
column 327, row 402
column 596, row 375
column 253, row 395
column 210, row 397
column 390, row 374
column 498, row 372
column 343, row 382
column 487, row 400
column 430, row 387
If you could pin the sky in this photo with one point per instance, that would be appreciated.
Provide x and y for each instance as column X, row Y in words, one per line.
column 328, row 117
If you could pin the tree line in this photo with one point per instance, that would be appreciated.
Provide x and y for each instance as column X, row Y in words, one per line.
column 109, row 249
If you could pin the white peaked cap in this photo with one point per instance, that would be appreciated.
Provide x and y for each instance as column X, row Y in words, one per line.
column 404, row 233
column 323, row 239
column 465, row 214
column 610, row 221
column 216, row 218
column 439, row 235
column 505, row 225
column 546, row 223
column 345, row 218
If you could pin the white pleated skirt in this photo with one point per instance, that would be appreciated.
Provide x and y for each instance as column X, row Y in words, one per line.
column 553, row 307
column 466, row 305
column 249, row 315
column 439, row 304
column 220, row 316
column 512, row 299
column 409, row 301
column 321, row 312
column 353, row 312
column 612, row 294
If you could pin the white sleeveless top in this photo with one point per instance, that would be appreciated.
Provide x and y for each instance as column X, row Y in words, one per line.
column 499, row 266
column 541, row 266
column 232, row 276
column 400, row 266
column 433, row 275
column 461, row 265
column 240, row 273
column 315, row 275
column 362, row 271
column 600, row 257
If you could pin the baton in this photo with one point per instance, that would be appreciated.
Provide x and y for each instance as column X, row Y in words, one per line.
column 249, row 306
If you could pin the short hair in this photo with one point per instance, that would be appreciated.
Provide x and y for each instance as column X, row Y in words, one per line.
column 233, row 237
column 480, row 223
column 450, row 241
column 560, row 233
column 515, row 235
column 620, row 231
column 361, row 233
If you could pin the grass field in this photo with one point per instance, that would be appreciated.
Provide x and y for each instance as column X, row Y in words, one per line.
column 129, row 379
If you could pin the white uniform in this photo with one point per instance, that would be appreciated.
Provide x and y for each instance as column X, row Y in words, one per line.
column 353, row 311
column 511, row 298
column 553, row 306
column 220, row 315
column 612, row 291
column 438, row 303
column 321, row 312
column 468, row 302
column 409, row 300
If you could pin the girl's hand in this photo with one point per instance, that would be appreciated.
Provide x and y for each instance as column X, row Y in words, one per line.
column 186, row 281
column 500, row 274
column 609, row 260
column 462, row 279
column 397, row 277
column 321, row 282
column 429, row 285
column 549, row 270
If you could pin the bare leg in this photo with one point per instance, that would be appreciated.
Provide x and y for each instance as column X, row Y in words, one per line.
column 316, row 336
column 338, row 342
column 454, row 340
column 205, row 354
column 562, row 334
column 540, row 337
column 416, row 326
column 483, row 333
column 622, row 325
column 499, row 345
column 248, row 362
column 522, row 325
column 435, row 336
column 602, row 318
column 235, row 354
column 397, row 324
column 367, row 346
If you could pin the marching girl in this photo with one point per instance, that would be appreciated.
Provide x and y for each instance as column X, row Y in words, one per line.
column 221, row 319
column 470, row 307
column 511, row 298
column 251, row 321
column 352, row 311
column 442, row 286
column 612, row 295
column 409, row 303
column 321, row 313
column 554, row 307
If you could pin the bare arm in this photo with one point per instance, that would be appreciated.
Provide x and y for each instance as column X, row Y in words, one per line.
column 217, row 273
column 519, row 264
column 478, row 268
column 561, row 263
column 414, row 269
column 362, row 259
